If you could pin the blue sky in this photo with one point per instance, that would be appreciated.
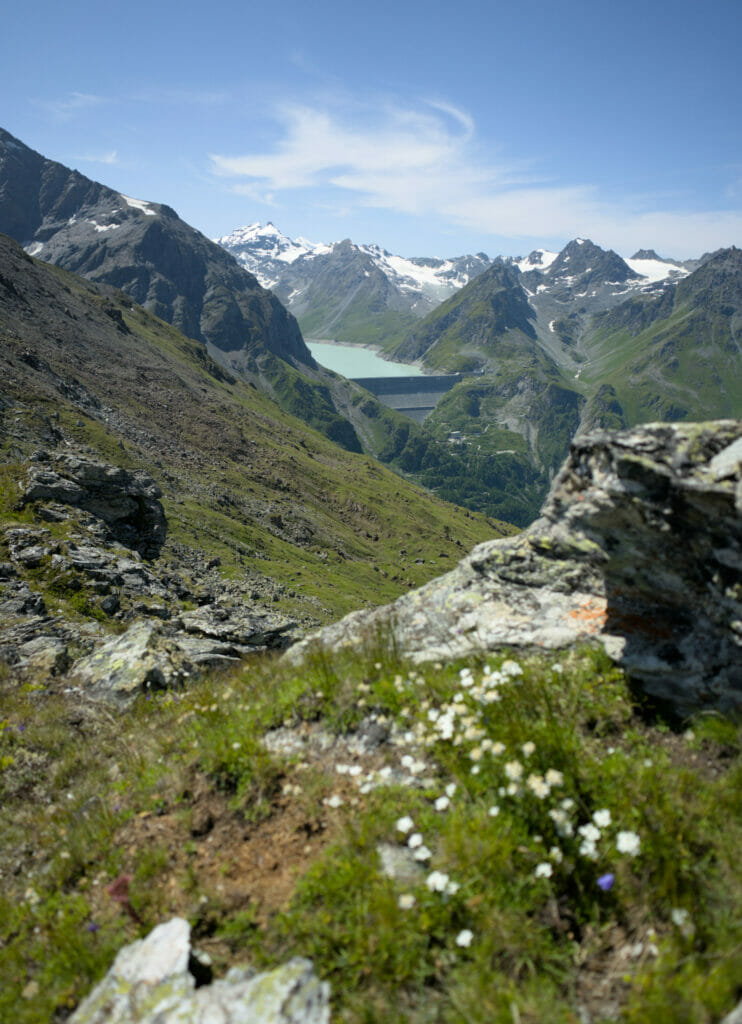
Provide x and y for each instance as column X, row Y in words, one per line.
column 430, row 128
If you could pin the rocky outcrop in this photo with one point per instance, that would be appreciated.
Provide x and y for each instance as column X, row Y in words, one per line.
column 99, row 518
column 152, row 655
column 127, row 502
column 639, row 547
column 159, row 979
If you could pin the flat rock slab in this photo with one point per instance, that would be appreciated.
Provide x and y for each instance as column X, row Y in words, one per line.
column 639, row 547
column 152, row 981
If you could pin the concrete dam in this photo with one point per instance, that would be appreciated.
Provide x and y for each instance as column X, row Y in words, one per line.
column 416, row 397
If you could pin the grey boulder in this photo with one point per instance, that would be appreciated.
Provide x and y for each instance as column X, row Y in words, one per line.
column 153, row 981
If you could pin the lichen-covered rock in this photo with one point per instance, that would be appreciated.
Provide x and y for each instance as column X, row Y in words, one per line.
column 153, row 982
column 127, row 502
column 639, row 547
column 156, row 655
column 123, row 667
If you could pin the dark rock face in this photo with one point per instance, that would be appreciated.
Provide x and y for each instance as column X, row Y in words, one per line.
column 639, row 548
column 144, row 249
column 127, row 502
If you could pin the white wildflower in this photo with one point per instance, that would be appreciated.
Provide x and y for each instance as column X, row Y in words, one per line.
column 528, row 748
column 679, row 916
column 405, row 824
column 442, row 803
column 538, row 786
column 556, row 854
column 561, row 822
column 334, row 801
column 554, row 777
column 493, row 811
column 628, row 842
column 544, row 870
column 514, row 770
column 588, row 849
column 406, row 901
column 452, row 888
column 422, row 853
column 511, row 669
column 602, row 818
column 450, row 789
column 464, row 938
column 437, row 881
column 589, row 832
column 415, row 840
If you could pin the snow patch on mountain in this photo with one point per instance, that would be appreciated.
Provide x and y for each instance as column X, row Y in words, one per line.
column 656, row 270
column 139, row 204
column 539, row 259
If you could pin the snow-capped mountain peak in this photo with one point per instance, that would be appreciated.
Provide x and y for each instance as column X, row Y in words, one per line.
column 265, row 251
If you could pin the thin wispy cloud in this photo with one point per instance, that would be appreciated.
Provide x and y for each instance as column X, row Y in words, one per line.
column 181, row 97
column 65, row 107
column 426, row 160
column 110, row 158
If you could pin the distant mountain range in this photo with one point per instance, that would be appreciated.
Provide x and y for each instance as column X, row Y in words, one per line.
column 548, row 345
column 347, row 292
column 361, row 294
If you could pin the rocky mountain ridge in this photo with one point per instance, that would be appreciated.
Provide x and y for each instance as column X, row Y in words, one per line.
column 145, row 250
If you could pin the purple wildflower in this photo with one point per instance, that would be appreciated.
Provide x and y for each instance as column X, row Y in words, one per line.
column 605, row 882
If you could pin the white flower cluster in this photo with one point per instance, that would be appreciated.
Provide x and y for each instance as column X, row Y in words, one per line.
column 461, row 722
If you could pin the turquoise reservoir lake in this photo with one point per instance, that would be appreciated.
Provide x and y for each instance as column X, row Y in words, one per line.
column 354, row 361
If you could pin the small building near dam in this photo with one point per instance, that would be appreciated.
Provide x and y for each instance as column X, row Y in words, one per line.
column 416, row 397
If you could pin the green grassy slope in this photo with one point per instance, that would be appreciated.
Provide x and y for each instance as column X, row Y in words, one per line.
column 678, row 357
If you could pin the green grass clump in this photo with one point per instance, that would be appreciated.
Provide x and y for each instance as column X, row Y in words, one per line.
column 559, row 851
